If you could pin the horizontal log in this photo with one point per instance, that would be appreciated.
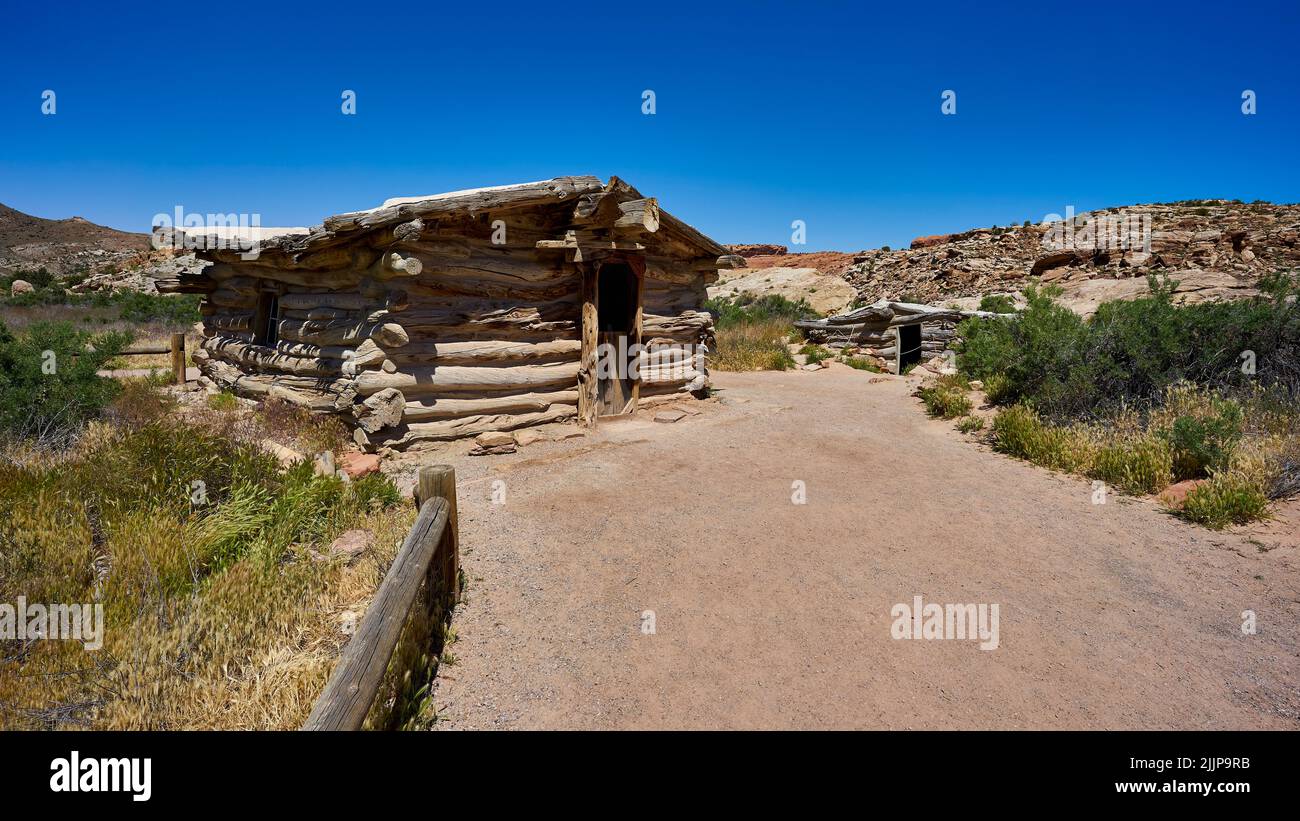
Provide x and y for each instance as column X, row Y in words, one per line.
column 428, row 410
column 334, row 332
column 235, row 350
column 460, row 378
column 485, row 352
column 459, row 428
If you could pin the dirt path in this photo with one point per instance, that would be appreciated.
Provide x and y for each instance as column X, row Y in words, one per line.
column 772, row 614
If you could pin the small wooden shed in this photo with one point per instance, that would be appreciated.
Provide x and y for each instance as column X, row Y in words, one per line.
column 438, row 317
column 895, row 334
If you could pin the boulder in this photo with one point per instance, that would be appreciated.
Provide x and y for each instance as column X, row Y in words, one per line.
column 21, row 286
column 1175, row 495
column 350, row 545
column 493, row 442
column 527, row 437
column 357, row 464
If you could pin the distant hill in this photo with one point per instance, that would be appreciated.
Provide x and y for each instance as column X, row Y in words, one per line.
column 62, row 247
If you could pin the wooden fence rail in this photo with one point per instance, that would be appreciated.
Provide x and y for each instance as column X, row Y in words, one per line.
column 175, row 347
column 428, row 560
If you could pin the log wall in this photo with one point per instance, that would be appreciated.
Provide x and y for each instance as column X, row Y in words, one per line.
column 440, row 334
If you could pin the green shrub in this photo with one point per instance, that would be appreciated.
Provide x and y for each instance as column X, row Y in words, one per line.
column 746, row 309
column 946, row 398
column 224, row 401
column 1225, row 498
column 815, row 354
column 1202, row 444
column 971, row 424
column 1017, row 431
column 997, row 304
column 861, row 363
column 48, row 382
column 1135, row 464
column 1132, row 351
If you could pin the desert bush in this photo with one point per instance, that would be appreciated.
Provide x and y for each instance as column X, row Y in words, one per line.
column 746, row 308
column 49, row 386
column 223, row 402
column 1224, row 499
column 301, row 429
column 1019, row 432
column 1204, row 443
column 860, row 363
column 1132, row 351
column 1133, row 463
column 997, row 304
column 753, row 332
column 946, row 397
column 815, row 354
column 971, row 424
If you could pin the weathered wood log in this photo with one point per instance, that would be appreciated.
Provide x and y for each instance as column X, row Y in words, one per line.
column 691, row 326
column 479, row 352
column 639, row 215
column 352, row 687
column 316, row 394
column 449, row 429
column 470, row 313
column 225, row 298
column 178, row 358
column 439, row 482
column 228, row 322
column 334, row 332
column 424, row 380
column 427, row 410
column 384, row 409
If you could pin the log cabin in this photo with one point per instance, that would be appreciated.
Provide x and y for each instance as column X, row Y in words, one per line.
column 439, row 317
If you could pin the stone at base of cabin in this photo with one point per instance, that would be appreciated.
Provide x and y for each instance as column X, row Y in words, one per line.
column 356, row 464
column 527, row 437
column 671, row 415
column 493, row 442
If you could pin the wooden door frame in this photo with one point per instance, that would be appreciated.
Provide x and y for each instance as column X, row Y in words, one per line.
column 588, row 387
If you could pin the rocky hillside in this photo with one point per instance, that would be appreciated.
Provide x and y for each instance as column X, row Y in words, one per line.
column 62, row 246
column 81, row 255
column 1215, row 248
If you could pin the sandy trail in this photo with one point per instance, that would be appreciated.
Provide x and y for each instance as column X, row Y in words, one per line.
column 770, row 614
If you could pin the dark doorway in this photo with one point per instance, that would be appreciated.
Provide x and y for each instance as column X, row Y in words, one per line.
column 266, row 322
column 909, row 346
column 618, row 294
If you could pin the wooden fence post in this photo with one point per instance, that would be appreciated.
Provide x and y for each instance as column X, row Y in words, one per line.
column 178, row 358
column 439, row 482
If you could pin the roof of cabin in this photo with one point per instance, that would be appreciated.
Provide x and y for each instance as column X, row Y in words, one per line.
column 295, row 246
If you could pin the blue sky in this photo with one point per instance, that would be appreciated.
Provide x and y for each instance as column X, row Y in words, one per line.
column 765, row 113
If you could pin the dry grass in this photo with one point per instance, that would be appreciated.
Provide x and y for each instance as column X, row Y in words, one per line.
column 221, row 615
column 760, row 345
column 1247, row 448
